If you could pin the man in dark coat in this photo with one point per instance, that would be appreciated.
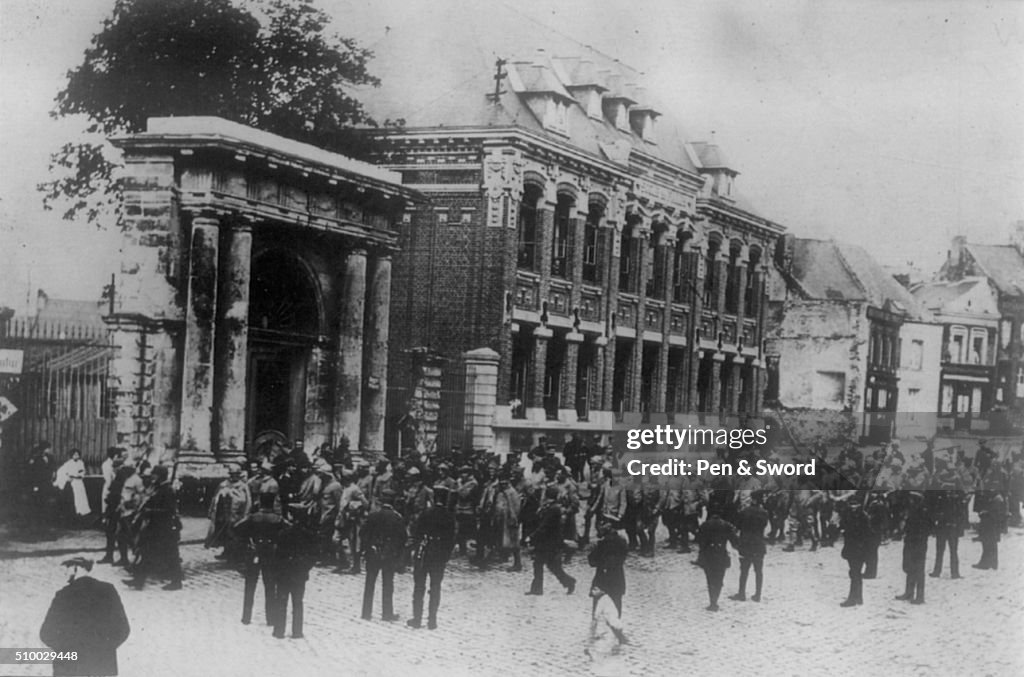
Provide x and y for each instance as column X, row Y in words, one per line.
column 85, row 617
column 383, row 542
column 547, row 545
column 857, row 537
column 946, row 511
column 989, row 529
column 296, row 551
column 608, row 559
column 433, row 537
column 112, row 514
column 260, row 533
column 915, row 547
column 158, row 541
column 752, row 521
column 713, row 557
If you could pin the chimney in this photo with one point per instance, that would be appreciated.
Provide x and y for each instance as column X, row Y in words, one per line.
column 1017, row 237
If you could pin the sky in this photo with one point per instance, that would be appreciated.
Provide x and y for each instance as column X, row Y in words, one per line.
column 892, row 125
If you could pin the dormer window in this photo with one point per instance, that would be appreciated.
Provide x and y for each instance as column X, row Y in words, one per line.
column 641, row 119
column 556, row 116
column 615, row 111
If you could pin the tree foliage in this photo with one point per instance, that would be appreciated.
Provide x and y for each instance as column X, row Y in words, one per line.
column 272, row 64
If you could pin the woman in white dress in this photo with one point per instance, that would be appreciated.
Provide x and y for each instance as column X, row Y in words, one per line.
column 73, row 473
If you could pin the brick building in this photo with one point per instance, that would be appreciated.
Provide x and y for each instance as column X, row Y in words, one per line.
column 252, row 304
column 603, row 257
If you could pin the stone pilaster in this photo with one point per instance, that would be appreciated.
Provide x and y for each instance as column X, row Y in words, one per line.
column 200, row 336
column 570, row 372
column 597, row 387
column 371, row 435
column 349, row 394
column 715, row 399
column 232, row 344
column 541, row 336
column 546, row 224
column 481, row 395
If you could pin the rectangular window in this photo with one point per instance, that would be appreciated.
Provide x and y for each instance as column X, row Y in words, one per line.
column 915, row 359
column 979, row 346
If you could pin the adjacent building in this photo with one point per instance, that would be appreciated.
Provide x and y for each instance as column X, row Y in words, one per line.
column 835, row 338
column 252, row 305
column 593, row 263
column 1003, row 267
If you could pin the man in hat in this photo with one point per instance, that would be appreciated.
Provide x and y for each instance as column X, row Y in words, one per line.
column 991, row 516
column 260, row 532
column 547, row 545
column 433, row 537
column 260, row 482
column 111, row 513
column 296, row 551
column 383, row 543
column 418, row 496
column 467, row 496
column 230, row 503
column 857, row 536
column 353, row 507
column 86, row 618
column 915, row 547
column 713, row 556
column 946, row 511
column 608, row 559
column 329, row 500
column 750, row 545
column 158, row 541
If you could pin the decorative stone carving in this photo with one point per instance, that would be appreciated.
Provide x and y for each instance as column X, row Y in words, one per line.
column 503, row 179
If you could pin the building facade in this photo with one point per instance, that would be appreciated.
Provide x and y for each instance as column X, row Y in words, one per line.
column 608, row 263
column 252, row 306
column 968, row 311
column 1003, row 267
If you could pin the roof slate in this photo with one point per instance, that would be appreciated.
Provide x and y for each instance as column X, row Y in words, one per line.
column 1003, row 264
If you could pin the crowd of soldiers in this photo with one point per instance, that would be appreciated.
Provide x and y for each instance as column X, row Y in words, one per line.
column 282, row 516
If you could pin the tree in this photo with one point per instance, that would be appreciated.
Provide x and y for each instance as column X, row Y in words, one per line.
column 271, row 65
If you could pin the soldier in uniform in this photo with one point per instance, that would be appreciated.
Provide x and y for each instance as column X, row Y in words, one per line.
column 85, row 617
column 751, row 546
column 608, row 559
column 433, row 537
column 230, row 504
column 915, row 547
column 713, row 557
column 112, row 514
column 991, row 515
column 946, row 512
column 158, row 542
column 854, row 522
column 260, row 532
column 648, row 511
column 383, row 543
column 467, row 495
column 296, row 550
column 547, row 545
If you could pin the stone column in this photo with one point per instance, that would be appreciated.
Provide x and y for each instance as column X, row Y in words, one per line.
column 696, row 300
column 371, row 434
column 481, row 395
column 721, row 274
column 570, row 372
column 664, row 251
column 232, row 339
column 538, row 368
column 741, row 289
column 200, row 334
column 642, row 251
column 608, row 374
column 597, row 387
column 715, row 401
column 734, row 385
column 546, row 223
column 349, row 394
column 758, row 385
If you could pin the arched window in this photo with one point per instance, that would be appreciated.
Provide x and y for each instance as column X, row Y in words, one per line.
column 527, row 235
column 682, row 270
column 561, row 236
column 711, row 280
column 591, row 241
column 627, row 258
column 752, row 295
column 732, row 280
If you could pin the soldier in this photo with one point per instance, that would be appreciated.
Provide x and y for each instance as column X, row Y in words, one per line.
column 112, row 514
column 946, row 513
column 262, row 482
column 593, row 493
column 878, row 523
column 86, row 617
column 751, row 546
column 433, row 537
column 260, row 532
column 989, row 528
column 648, row 511
column 352, row 509
column 504, row 520
column 296, row 550
column 915, row 547
column 330, row 498
column 467, row 496
column 230, row 503
column 854, row 522
column 575, row 455
column 547, row 545
column 608, row 559
column 383, row 542
column 713, row 557
column 569, row 499
column 158, row 540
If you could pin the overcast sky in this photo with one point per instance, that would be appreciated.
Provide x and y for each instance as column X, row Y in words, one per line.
column 894, row 125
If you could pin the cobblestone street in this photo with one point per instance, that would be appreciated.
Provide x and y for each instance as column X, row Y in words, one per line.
column 489, row 627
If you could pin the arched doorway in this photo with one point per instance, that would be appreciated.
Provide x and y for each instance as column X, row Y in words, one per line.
column 284, row 323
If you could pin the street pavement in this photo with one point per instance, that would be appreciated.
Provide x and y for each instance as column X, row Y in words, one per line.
column 489, row 627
